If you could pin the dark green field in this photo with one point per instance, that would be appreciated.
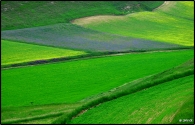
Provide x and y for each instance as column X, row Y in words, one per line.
column 23, row 14
column 124, row 62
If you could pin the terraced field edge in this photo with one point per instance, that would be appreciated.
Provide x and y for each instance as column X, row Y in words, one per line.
column 86, row 56
column 180, row 71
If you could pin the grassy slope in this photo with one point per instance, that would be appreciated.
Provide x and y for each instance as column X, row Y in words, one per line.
column 31, row 114
column 53, row 113
column 183, row 70
column 66, row 35
column 186, row 11
column 164, row 24
column 29, row 25
column 185, row 113
column 65, row 82
column 14, row 52
column 158, row 104
column 23, row 14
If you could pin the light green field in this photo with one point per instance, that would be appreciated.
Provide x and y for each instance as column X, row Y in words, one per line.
column 15, row 52
column 181, row 9
column 75, row 80
column 155, row 105
column 173, row 23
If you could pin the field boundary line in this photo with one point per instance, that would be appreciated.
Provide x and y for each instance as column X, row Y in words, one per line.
column 129, row 88
column 85, row 57
column 165, row 2
column 9, row 121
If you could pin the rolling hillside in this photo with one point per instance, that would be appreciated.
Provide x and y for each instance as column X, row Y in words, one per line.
column 46, row 113
column 172, row 23
column 75, row 37
column 14, row 53
column 25, row 14
column 145, row 107
column 125, row 62
column 66, row 82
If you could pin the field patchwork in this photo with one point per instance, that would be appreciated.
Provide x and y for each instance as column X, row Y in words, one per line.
column 58, row 113
column 15, row 52
column 65, row 82
column 75, row 37
column 23, row 14
column 113, row 62
column 171, row 23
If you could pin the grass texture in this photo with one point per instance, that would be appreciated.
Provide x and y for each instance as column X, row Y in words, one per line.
column 183, row 70
column 72, row 81
column 144, row 107
column 14, row 52
column 36, row 114
column 66, row 112
column 172, row 23
column 25, row 14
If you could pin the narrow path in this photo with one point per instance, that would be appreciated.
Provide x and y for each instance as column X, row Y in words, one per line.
column 166, row 5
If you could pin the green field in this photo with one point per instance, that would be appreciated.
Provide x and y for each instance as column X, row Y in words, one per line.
column 119, row 62
column 163, row 24
column 145, row 107
column 24, row 14
column 42, row 114
column 72, row 81
column 62, row 113
column 180, row 9
column 15, row 52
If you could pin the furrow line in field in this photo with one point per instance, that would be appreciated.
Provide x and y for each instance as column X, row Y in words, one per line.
column 9, row 121
column 83, row 57
column 129, row 88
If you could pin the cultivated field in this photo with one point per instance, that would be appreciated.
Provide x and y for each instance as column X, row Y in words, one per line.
column 15, row 52
column 124, row 62
column 74, row 37
column 164, row 24
column 61, row 113
column 25, row 14
column 145, row 107
column 75, row 80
